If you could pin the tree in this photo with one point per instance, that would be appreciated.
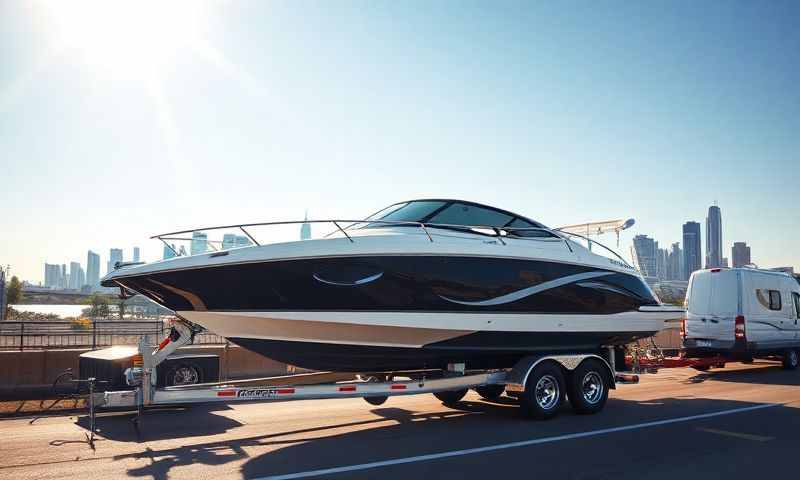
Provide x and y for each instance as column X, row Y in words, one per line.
column 14, row 291
column 99, row 305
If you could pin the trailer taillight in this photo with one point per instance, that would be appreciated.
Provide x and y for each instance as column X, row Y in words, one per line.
column 683, row 328
column 739, row 328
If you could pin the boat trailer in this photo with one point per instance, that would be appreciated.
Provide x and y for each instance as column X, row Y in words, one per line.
column 540, row 382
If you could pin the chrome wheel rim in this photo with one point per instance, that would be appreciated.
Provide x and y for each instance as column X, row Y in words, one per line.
column 546, row 392
column 185, row 376
column 592, row 387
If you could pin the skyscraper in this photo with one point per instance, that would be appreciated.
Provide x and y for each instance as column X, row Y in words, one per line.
column 692, row 249
column 92, row 269
column 199, row 243
column 64, row 279
column 3, row 297
column 675, row 262
column 135, row 254
column 76, row 276
column 114, row 257
column 714, row 237
column 305, row 229
column 52, row 276
column 740, row 253
column 228, row 241
column 645, row 251
column 169, row 252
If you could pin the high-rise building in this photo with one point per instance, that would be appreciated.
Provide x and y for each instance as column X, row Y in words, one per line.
column 76, row 276
column 52, row 276
column 243, row 241
column 169, row 251
column 114, row 257
column 64, row 283
column 92, row 270
column 135, row 254
column 644, row 252
column 692, row 250
column 230, row 240
column 3, row 294
column 305, row 229
column 674, row 262
column 199, row 243
column 714, row 237
column 740, row 254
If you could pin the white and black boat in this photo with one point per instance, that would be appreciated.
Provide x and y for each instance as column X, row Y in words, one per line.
column 420, row 284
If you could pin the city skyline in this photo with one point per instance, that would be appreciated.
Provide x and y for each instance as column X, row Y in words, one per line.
column 638, row 110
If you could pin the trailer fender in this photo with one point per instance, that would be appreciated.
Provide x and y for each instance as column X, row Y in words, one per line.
column 519, row 373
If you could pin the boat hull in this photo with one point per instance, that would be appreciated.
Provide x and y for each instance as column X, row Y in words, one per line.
column 384, row 341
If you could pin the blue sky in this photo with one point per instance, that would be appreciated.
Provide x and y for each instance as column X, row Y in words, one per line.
column 562, row 111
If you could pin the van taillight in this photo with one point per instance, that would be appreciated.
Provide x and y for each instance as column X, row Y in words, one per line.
column 739, row 328
column 683, row 328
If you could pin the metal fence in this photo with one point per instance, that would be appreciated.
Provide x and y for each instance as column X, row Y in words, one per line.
column 94, row 334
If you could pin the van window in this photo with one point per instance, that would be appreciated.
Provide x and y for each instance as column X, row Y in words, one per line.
column 775, row 300
column 796, row 303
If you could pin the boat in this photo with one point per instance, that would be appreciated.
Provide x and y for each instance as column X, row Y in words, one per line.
column 419, row 285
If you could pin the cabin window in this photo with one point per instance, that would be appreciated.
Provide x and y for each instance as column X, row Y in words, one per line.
column 775, row 300
column 471, row 215
column 526, row 229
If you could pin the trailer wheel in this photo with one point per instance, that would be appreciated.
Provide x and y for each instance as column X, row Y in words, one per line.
column 490, row 392
column 702, row 368
column 186, row 373
column 544, row 391
column 450, row 397
column 379, row 399
column 588, row 386
column 790, row 359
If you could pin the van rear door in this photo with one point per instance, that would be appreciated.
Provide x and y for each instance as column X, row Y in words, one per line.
column 712, row 305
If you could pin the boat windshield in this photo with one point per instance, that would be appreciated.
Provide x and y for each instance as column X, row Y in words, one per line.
column 454, row 214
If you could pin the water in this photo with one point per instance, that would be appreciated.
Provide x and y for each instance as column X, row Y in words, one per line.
column 60, row 310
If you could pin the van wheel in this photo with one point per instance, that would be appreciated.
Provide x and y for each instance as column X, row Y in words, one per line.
column 588, row 387
column 790, row 360
column 544, row 392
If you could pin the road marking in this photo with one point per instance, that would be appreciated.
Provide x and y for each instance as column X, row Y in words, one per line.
column 745, row 436
column 504, row 446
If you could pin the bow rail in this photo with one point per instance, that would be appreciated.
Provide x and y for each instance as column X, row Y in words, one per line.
column 500, row 233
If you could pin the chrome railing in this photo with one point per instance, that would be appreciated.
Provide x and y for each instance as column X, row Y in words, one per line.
column 500, row 233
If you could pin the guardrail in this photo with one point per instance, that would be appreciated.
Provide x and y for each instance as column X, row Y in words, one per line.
column 99, row 333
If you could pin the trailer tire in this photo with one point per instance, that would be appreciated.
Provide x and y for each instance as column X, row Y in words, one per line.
column 702, row 368
column 184, row 373
column 791, row 359
column 450, row 397
column 376, row 400
column 490, row 392
column 544, row 391
column 588, row 386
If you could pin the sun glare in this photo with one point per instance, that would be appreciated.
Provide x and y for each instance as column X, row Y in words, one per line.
column 126, row 37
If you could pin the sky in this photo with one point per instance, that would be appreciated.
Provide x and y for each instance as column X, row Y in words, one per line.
column 121, row 120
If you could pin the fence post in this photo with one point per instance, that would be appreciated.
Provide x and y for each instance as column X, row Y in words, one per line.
column 94, row 334
column 21, row 336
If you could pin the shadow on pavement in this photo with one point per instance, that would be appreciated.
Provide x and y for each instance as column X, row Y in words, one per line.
column 773, row 374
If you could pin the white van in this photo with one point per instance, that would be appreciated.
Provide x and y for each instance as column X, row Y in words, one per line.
column 743, row 313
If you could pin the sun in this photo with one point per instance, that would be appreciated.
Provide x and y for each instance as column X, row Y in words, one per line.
column 128, row 38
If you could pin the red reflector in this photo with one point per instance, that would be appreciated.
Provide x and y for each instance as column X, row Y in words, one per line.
column 284, row 391
column 398, row 387
column 739, row 327
column 349, row 388
column 227, row 393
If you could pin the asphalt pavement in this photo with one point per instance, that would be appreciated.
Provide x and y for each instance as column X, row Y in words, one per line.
column 739, row 422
